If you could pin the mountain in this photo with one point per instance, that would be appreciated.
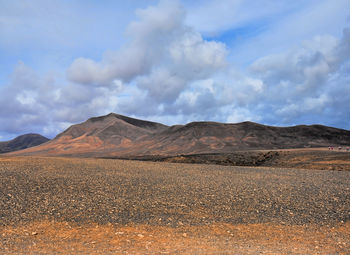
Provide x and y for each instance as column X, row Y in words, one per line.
column 115, row 135
column 22, row 142
column 113, row 127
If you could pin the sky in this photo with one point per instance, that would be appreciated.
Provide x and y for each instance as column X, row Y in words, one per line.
column 280, row 63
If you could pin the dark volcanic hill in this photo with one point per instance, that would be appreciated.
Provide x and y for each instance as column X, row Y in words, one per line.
column 22, row 142
column 116, row 135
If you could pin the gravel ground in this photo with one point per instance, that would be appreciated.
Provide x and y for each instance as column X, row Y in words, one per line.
column 117, row 193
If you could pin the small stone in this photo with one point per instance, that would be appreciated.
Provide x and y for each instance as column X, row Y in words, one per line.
column 119, row 233
column 147, row 245
column 184, row 235
column 140, row 235
column 34, row 233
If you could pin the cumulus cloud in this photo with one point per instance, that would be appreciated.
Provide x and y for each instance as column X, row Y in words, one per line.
column 22, row 99
column 146, row 45
column 302, row 68
column 306, row 83
column 161, row 61
column 162, row 57
column 296, row 22
column 34, row 103
column 241, row 114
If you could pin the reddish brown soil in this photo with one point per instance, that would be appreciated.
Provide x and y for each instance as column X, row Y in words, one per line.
column 66, row 238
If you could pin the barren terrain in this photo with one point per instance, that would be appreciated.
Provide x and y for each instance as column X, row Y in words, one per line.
column 108, row 206
column 315, row 158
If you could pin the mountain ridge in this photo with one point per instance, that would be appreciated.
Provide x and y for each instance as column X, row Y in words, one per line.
column 118, row 135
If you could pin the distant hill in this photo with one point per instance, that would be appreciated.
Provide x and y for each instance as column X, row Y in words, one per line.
column 22, row 142
column 115, row 135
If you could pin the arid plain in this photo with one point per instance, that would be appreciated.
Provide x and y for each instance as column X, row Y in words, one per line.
column 108, row 206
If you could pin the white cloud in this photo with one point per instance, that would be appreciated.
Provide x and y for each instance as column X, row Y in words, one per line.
column 161, row 49
column 304, row 68
column 241, row 114
column 31, row 103
column 163, row 58
column 307, row 83
column 162, row 85
column 307, row 20
column 256, row 84
column 149, row 37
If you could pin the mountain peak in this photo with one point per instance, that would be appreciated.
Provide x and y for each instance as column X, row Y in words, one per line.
column 113, row 124
column 136, row 122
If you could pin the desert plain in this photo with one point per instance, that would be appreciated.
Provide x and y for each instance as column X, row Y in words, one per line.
column 55, row 205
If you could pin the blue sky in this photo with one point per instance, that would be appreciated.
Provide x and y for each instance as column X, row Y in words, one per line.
column 273, row 62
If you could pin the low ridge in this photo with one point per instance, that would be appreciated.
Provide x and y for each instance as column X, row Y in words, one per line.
column 22, row 142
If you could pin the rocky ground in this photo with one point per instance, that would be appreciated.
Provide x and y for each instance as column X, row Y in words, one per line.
column 107, row 206
column 316, row 158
